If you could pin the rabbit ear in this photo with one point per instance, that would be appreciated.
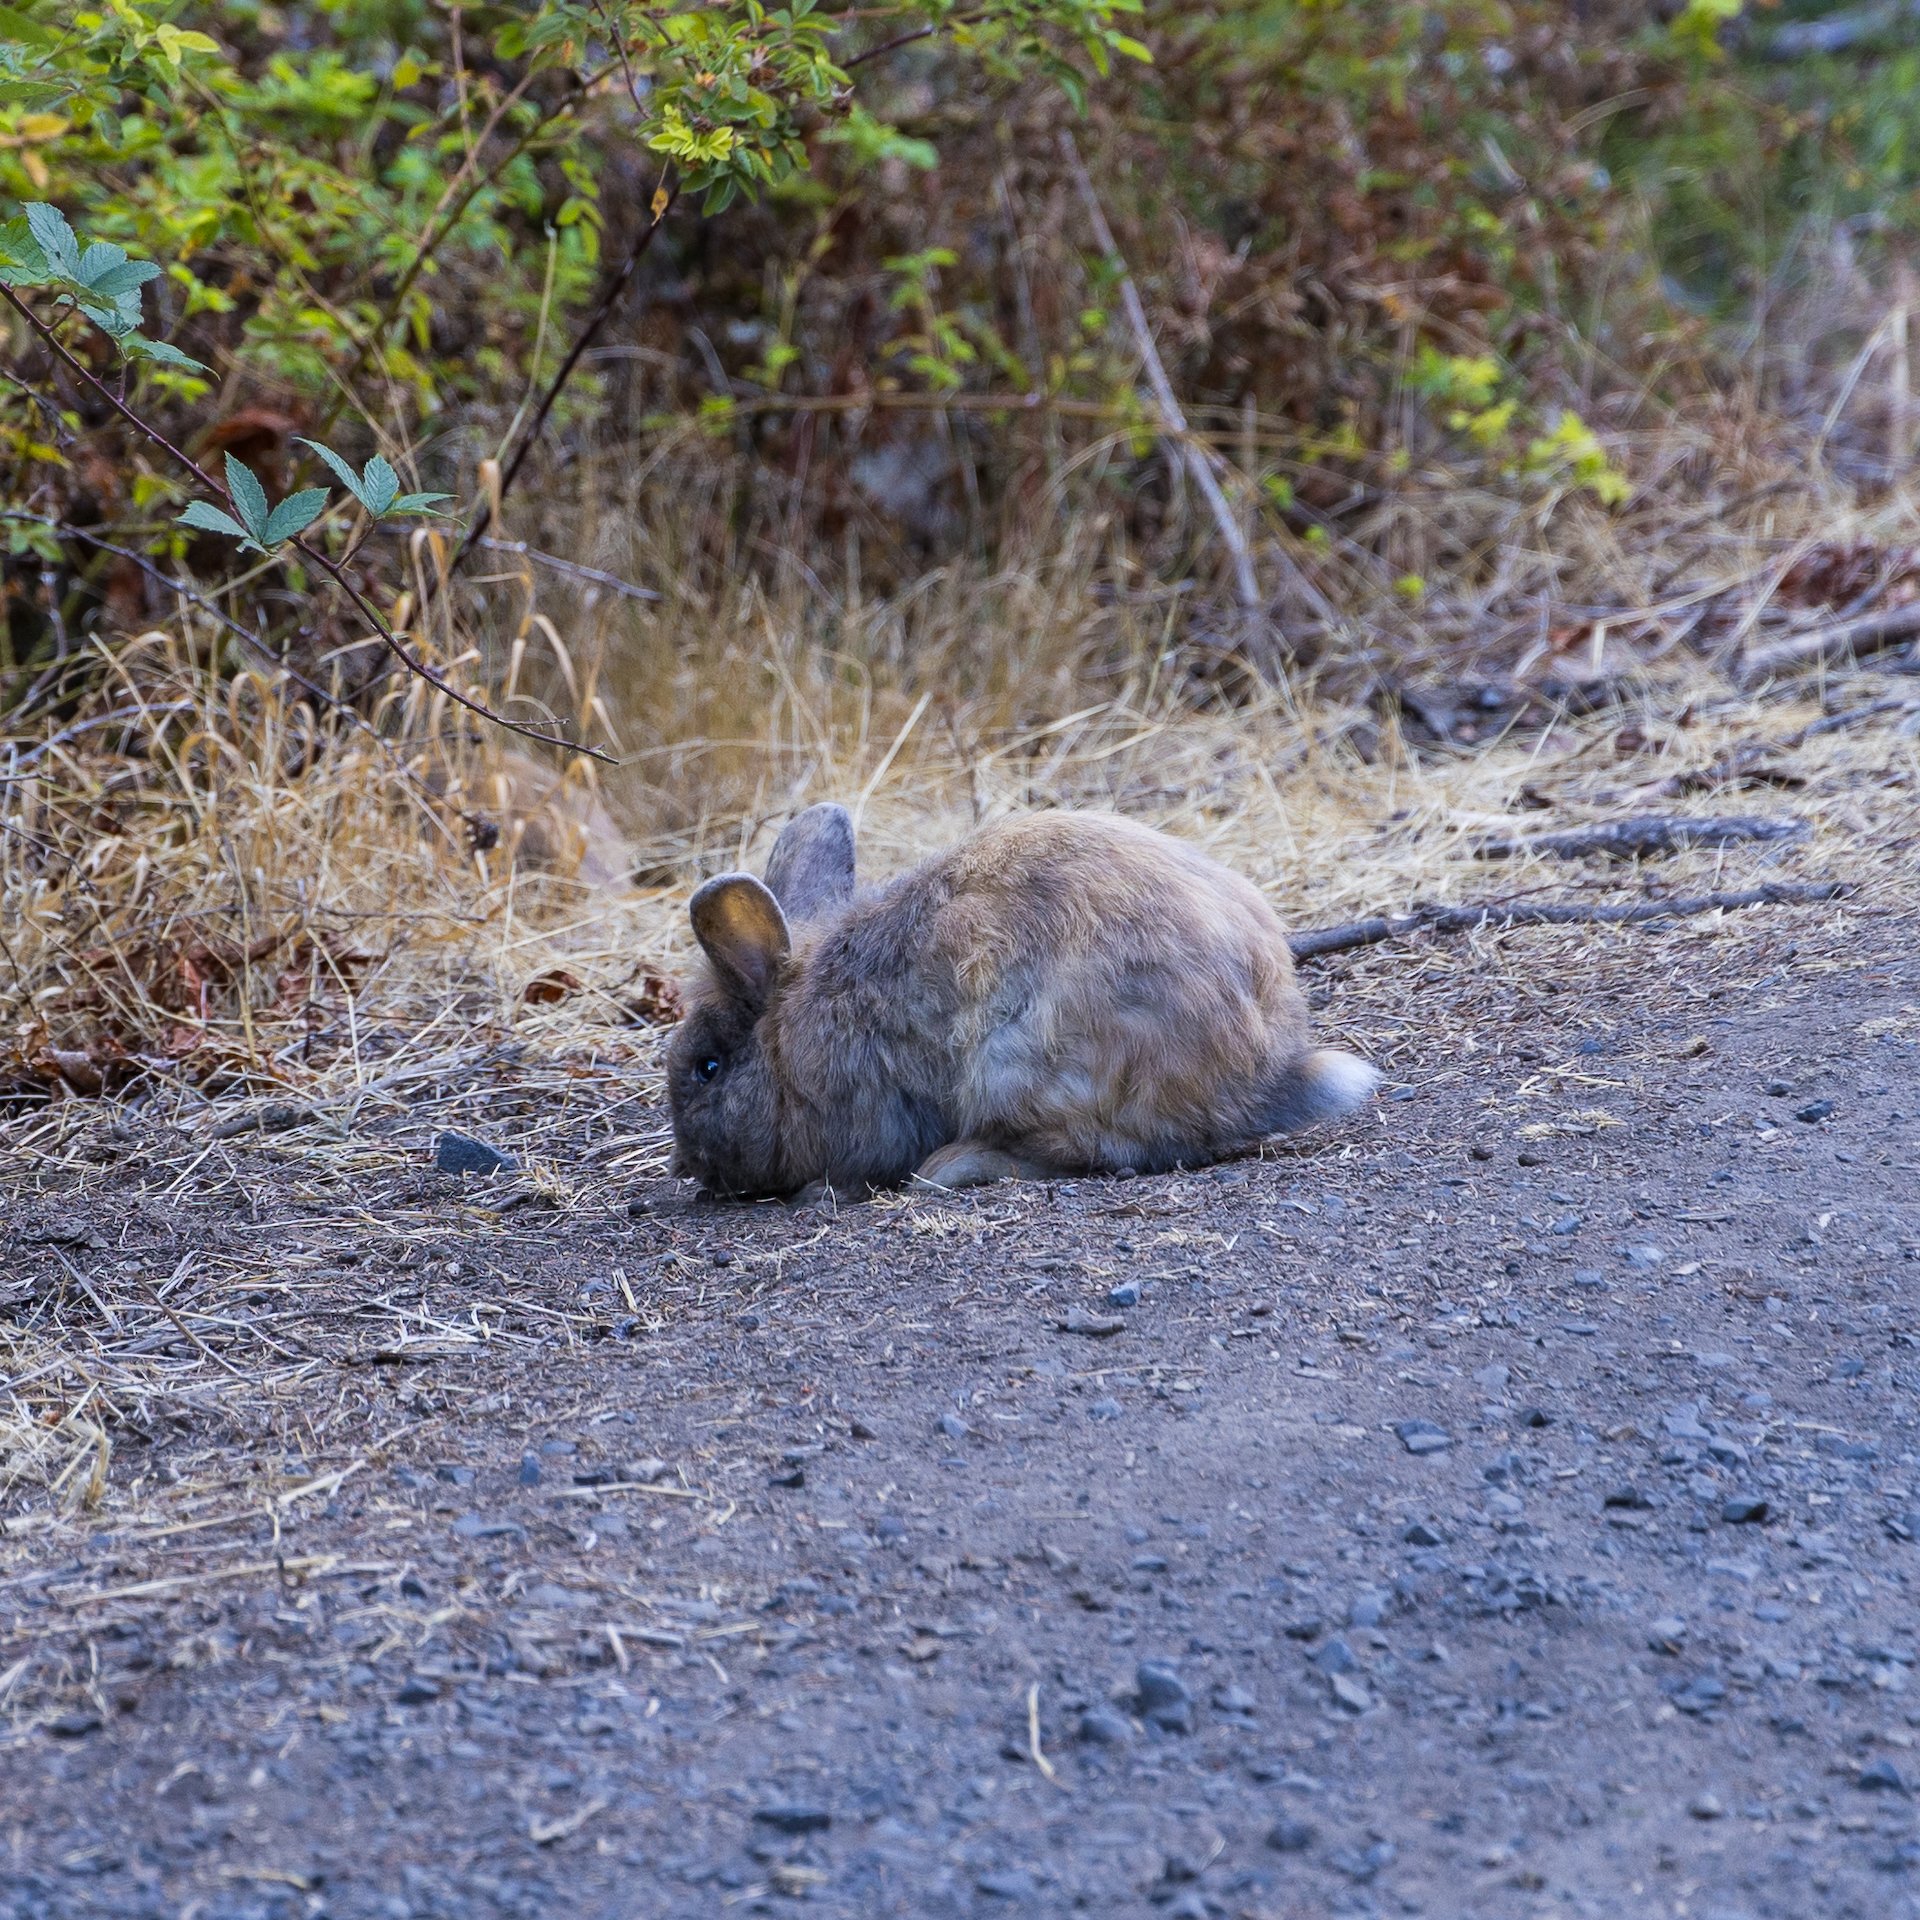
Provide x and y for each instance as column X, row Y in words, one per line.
column 811, row 868
column 744, row 933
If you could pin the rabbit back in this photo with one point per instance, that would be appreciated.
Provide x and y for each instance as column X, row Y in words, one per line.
column 1102, row 993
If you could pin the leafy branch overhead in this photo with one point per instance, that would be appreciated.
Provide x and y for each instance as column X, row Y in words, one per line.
column 100, row 280
column 262, row 528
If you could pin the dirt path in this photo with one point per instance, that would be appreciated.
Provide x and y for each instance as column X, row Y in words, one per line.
column 1504, row 1508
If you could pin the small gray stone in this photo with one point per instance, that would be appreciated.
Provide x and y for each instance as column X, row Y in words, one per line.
column 1667, row 1634
column 417, row 1689
column 1745, row 1510
column 953, row 1426
column 1008, row 1883
column 1351, row 1693
column 1290, row 1836
column 1643, row 1256
column 1106, row 1727
column 1107, row 1409
column 1126, row 1294
column 1161, row 1697
column 1369, row 1607
column 1706, row 1806
column 1881, row 1776
column 1421, row 1437
column 529, row 1469
column 1814, row 1112
column 461, row 1153
column 793, row 1816
column 1421, row 1534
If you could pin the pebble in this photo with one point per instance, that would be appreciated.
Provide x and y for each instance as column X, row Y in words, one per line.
column 1881, row 1776
column 1493, row 1379
column 1335, row 1657
column 1745, row 1510
column 1369, row 1608
column 1591, row 1279
column 1162, row 1698
column 1706, row 1806
column 529, row 1469
column 1533, row 1416
column 793, row 1816
column 1643, row 1256
column 1126, row 1294
column 1095, row 1326
column 1362, row 1863
column 1290, row 1836
column 1814, row 1112
column 1667, row 1634
column 1421, row 1437
column 1779, row 1089
column 1420, row 1534
column 1568, row 1223
column 953, row 1426
column 416, row 1690
column 1104, row 1410
column 461, row 1153
column 1008, row 1883
column 1106, row 1727
column 1351, row 1693
column 1630, row 1498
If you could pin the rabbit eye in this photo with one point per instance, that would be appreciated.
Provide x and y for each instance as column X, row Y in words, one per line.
column 707, row 1067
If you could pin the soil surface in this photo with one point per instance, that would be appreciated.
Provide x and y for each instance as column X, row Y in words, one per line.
column 1504, row 1506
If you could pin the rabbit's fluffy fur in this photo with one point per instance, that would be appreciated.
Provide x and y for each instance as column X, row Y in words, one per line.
column 1061, row 993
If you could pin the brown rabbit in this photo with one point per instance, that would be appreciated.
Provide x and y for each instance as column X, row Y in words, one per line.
column 1062, row 993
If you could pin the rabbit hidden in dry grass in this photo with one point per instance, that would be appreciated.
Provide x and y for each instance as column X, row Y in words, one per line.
column 1061, row 993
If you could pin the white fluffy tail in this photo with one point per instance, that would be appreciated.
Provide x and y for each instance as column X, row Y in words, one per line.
column 1324, row 1085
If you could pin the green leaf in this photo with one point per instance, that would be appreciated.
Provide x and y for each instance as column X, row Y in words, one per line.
column 137, row 347
column 210, row 519
column 57, row 240
column 418, row 502
column 343, row 472
column 381, row 483
column 295, row 514
column 18, row 27
column 128, row 277
column 249, row 497
column 23, row 261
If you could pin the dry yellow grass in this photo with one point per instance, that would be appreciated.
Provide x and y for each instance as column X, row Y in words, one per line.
column 207, row 890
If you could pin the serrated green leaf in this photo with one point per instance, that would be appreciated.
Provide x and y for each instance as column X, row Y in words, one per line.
column 109, row 320
column 342, row 471
column 22, row 258
column 128, row 277
column 58, row 241
column 418, row 502
column 249, row 497
column 138, row 347
column 295, row 514
column 210, row 519
column 102, row 256
column 382, row 485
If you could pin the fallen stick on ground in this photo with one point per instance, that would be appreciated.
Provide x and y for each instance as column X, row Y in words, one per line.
column 1642, row 834
column 1498, row 915
column 1844, row 640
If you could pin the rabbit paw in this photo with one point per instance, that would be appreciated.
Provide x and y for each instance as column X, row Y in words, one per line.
column 972, row 1163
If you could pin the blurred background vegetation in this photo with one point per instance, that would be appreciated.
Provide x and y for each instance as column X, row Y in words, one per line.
column 789, row 397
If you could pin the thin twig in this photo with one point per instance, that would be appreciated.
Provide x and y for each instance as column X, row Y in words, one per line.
column 329, row 567
column 1497, row 915
column 573, row 568
column 1246, row 585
